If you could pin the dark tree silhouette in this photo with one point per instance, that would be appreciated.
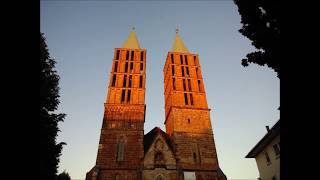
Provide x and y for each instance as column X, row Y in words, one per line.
column 63, row 176
column 50, row 150
column 261, row 24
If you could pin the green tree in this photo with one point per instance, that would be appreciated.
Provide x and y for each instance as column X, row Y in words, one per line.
column 261, row 24
column 63, row 176
column 50, row 150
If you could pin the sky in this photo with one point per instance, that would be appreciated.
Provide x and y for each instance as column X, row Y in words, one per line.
column 81, row 37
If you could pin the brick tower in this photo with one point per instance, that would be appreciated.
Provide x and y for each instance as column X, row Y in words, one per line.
column 187, row 116
column 120, row 152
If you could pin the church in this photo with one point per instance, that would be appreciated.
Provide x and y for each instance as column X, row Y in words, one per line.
column 186, row 151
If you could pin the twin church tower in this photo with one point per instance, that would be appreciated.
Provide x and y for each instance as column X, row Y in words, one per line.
column 186, row 151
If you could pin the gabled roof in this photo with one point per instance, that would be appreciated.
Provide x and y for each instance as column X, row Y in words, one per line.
column 132, row 41
column 273, row 132
column 150, row 137
column 178, row 45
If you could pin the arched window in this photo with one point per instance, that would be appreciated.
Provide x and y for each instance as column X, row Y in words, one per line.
column 159, row 177
column 159, row 159
column 120, row 149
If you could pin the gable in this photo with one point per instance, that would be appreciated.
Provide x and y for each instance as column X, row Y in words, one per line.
column 159, row 154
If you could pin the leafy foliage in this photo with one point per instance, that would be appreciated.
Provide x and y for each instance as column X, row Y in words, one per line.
column 63, row 176
column 50, row 150
column 261, row 24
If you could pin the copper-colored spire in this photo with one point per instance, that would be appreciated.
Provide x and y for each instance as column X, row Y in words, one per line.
column 178, row 45
column 132, row 41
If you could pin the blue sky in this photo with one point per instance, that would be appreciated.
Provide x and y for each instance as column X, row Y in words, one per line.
column 81, row 36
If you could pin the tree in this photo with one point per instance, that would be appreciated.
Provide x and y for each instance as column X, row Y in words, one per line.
column 261, row 24
column 50, row 150
column 63, row 176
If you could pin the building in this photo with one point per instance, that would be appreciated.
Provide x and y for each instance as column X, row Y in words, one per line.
column 267, row 154
column 185, row 151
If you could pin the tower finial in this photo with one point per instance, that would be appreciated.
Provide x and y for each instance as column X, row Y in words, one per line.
column 177, row 30
column 133, row 28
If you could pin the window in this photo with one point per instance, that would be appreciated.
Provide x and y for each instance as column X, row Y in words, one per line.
column 189, row 85
column 184, row 84
column 158, row 158
column 172, row 68
column 129, row 94
column 114, row 78
column 197, row 71
column 194, row 59
column 191, row 99
column 132, row 55
column 124, row 81
column 276, row 149
column 130, row 81
column 141, row 66
column 185, row 98
column 118, row 54
column 123, row 94
column 181, row 60
column 182, row 71
column 199, row 85
column 140, row 82
column 131, row 65
column 141, row 56
column 186, row 59
column 188, row 121
column 194, row 156
column 115, row 66
column 120, row 149
column 172, row 59
column 267, row 158
column 173, row 84
column 187, row 70
column 126, row 67
column 127, row 55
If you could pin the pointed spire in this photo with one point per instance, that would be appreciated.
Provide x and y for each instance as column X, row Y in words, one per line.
column 132, row 41
column 178, row 45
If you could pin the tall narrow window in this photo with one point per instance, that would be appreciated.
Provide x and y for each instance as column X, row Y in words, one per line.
column 191, row 99
column 174, row 83
column 186, row 98
column 141, row 66
column 172, row 59
column 199, row 85
column 184, row 84
column 194, row 59
column 118, row 54
column 187, row 71
column 189, row 85
column 186, row 59
column 128, row 96
column 276, row 149
column 126, row 67
column 127, row 55
column 123, row 95
column 141, row 56
column 131, row 66
column 120, row 150
column 194, row 157
column 172, row 68
column 267, row 158
column 114, row 78
column 140, row 82
column 197, row 71
column 115, row 66
column 132, row 55
column 181, row 60
column 182, row 70
column 124, row 81
column 130, row 81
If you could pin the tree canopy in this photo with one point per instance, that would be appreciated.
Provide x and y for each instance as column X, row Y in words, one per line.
column 63, row 176
column 50, row 150
column 261, row 24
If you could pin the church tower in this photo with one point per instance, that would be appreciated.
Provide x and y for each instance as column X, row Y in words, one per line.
column 120, row 150
column 187, row 116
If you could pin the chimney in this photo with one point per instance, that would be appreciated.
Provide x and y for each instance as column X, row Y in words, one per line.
column 268, row 129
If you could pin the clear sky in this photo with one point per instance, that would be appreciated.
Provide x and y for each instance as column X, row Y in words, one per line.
column 82, row 35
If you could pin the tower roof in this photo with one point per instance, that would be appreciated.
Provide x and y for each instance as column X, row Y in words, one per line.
column 132, row 41
column 178, row 45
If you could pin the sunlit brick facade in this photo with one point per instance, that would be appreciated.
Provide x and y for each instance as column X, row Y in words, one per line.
column 185, row 151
